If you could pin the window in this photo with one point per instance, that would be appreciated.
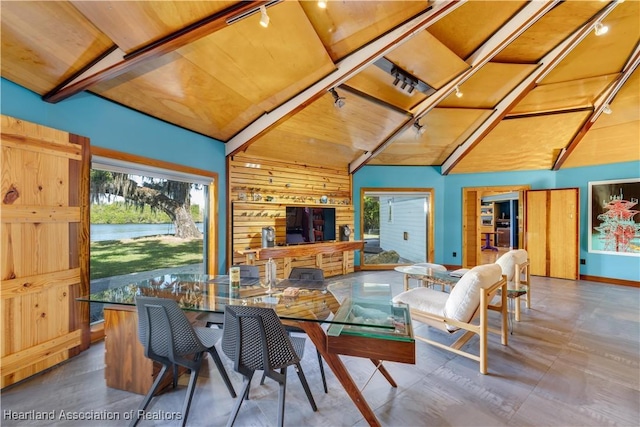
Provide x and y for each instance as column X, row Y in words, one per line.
column 397, row 226
column 146, row 221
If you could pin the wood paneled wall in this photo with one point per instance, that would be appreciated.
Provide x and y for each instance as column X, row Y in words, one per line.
column 259, row 192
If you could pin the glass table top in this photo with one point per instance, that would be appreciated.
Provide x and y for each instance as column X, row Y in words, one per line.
column 365, row 308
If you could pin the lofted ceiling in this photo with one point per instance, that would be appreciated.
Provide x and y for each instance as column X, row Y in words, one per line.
column 535, row 80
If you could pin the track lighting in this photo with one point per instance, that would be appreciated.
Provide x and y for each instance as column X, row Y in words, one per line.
column 420, row 129
column 600, row 29
column 322, row 4
column 338, row 101
column 458, row 92
column 264, row 18
column 403, row 80
column 607, row 109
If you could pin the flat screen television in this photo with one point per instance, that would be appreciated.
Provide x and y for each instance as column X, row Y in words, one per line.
column 310, row 224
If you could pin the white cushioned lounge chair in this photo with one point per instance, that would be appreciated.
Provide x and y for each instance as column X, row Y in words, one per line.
column 465, row 308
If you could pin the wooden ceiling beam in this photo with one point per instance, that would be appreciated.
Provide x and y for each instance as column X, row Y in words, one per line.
column 547, row 64
column 501, row 39
column 345, row 69
column 600, row 104
column 116, row 62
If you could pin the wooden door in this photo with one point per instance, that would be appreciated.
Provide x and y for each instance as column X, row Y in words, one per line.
column 45, row 235
column 470, row 227
column 552, row 228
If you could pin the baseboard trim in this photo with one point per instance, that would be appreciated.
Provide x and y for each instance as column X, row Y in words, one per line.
column 610, row 281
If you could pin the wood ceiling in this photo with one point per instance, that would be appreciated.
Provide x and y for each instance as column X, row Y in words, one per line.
column 534, row 77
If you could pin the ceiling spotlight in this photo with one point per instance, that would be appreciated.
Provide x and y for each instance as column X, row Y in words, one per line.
column 322, row 4
column 600, row 29
column 338, row 101
column 264, row 18
column 420, row 129
column 607, row 109
column 458, row 92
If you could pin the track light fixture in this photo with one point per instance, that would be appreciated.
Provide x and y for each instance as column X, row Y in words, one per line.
column 406, row 81
column 458, row 92
column 600, row 29
column 338, row 101
column 322, row 4
column 607, row 109
column 264, row 18
column 420, row 129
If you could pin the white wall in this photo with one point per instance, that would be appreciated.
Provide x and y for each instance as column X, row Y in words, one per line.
column 407, row 215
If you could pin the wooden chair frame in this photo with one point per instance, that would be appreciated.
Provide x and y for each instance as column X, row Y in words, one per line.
column 522, row 269
column 481, row 329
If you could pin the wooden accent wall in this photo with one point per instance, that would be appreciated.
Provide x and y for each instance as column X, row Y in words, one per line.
column 259, row 191
column 45, row 247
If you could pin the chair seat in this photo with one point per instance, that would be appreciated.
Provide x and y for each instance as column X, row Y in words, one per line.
column 208, row 336
column 424, row 299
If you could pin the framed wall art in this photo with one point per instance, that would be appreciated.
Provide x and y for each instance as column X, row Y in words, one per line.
column 614, row 217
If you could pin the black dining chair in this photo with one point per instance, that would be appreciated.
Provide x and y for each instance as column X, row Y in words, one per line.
column 255, row 340
column 311, row 274
column 171, row 340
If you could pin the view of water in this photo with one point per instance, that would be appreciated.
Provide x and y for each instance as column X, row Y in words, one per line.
column 100, row 232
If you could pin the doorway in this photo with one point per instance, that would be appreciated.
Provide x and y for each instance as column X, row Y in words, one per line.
column 486, row 212
column 397, row 226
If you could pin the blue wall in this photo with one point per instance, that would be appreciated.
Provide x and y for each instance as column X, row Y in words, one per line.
column 448, row 204
column 115, row 127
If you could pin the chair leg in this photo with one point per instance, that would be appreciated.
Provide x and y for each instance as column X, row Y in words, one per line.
column 281, row 395
column 243, row 394
column 175, row 375
column 223, row 372
column 190, row 389
column 517, row 308
column 324, row 379
column 149, row 396
column 305, row 386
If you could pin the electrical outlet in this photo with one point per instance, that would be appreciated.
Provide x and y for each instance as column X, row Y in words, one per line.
column 455, row 254
column 583, row 261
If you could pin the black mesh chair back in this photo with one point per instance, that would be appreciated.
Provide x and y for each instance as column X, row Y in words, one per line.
column 169, row 338
column 306, row 273
column 255, row 339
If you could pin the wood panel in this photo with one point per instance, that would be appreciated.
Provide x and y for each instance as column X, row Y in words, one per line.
column 470, row 228
column 259, row 191
column 446, row 129
column 39, row 52
column 132, row 25
column 563, row 233
column 470, row 25
column 44, row 242
column 321, row 128
column 536, row 232
column 552, row 232
column 539, row 141
column 358, row 22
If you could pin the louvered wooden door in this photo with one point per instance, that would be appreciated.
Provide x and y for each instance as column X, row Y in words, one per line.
column 45, row 235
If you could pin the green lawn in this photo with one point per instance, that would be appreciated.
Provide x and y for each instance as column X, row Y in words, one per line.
column 116, row 257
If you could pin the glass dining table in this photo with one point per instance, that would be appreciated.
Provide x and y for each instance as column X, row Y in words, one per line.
column 362, row 321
